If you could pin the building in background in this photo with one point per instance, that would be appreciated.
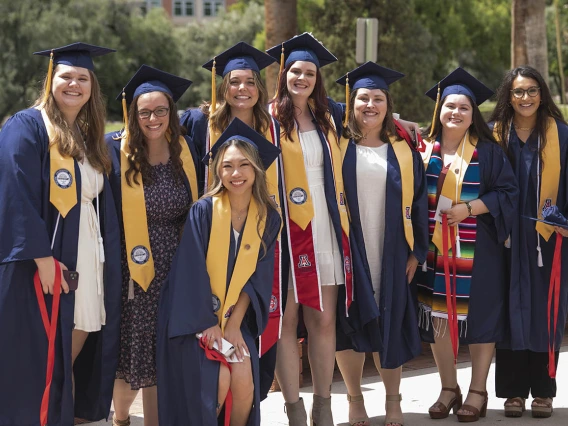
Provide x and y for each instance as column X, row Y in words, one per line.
column 184, row 11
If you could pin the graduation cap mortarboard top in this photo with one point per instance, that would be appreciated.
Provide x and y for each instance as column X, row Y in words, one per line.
column 303, row 47
column 267, row 151
column 368, row 76
column 241, row 56
column 148, row 79
column 551, row 216
column 458, row 82
column 75, row 55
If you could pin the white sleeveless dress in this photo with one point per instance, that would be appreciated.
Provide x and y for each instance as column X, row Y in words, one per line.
column 90, row 312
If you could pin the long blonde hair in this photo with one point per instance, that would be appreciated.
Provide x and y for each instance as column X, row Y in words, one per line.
column 91, row 124
column 259, row 188
column 221, row 118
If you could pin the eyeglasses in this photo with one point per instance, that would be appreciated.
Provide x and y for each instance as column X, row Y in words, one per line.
column 158, row 112
column 531, row 91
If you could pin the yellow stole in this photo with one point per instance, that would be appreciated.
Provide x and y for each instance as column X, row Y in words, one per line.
column 62, row 185
column 454, row 177
column 300, row 205
column 550, row 177
column 138, row 251
column 271, row 173
column 403, row 155
column 218, row 255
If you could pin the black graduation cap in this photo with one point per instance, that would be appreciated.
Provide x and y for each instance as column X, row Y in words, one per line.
column 551, row 216
column 460, row 82
column 303, row 47
column 241, row 56
column 148, row 79
column 370, row 76
column 76, row 54
column 238, row 130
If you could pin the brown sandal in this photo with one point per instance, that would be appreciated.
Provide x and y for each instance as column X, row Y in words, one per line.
column 442, row 411
column 544, row 410
column 514, row 407
column 477, row 413
column 116, row 422
column 360, row 421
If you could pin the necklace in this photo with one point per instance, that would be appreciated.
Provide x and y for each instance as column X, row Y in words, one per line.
column 524, row 129
column 240, row 213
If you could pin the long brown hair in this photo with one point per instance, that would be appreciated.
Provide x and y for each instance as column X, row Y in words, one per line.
column 260, row 191
column 284, row 106
column 91, row 124
column 504, row 112
column 138, row 161
column 221, row 118
column 477, row 128
column 388, row 129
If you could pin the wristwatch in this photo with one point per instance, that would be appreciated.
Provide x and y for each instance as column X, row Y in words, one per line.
column 468, row 208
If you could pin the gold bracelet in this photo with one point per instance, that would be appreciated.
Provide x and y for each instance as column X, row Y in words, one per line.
column 469, row 208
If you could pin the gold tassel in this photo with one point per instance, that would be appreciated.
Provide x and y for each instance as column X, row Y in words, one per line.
column 213, row 89
column 48, row 82
column 279, row 71
column 347, row 101
column 125, row 112
column 435, row 112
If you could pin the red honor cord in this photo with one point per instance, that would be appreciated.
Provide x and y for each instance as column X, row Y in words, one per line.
column 554, row 292
column 50, row 331
column 451, row 290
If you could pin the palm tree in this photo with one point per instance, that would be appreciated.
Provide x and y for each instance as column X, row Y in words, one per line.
column 528, row 35
column 280, row 24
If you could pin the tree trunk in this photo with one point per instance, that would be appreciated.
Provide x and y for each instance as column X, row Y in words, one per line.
column 528, row 35
column 280, row 24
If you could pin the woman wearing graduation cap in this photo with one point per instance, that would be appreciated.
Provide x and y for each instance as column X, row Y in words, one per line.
column 219, row 287
column 386, row 193
column 472, row 197
column 242, row 94
column 154, row 181
column 316, row 221
column 534, row 135
column 58, row 214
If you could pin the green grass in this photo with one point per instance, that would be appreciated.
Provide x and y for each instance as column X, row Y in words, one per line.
column 113, row 126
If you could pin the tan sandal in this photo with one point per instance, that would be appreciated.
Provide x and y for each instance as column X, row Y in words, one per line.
column 514, row 407
column 544, row 410
column 389, row 420
column 116, row 422
column 360, row 421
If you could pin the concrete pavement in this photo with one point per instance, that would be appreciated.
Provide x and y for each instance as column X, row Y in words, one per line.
column 419, row 390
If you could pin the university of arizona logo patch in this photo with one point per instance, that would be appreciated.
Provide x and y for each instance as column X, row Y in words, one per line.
column 304, row 261
column 407, row 212
column 229, row 311
column 273, row 304
column 347, row 264
column 547, row 203
column 63, row 178
column 341, row 199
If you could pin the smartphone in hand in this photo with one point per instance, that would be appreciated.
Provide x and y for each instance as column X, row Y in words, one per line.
column 72, row 279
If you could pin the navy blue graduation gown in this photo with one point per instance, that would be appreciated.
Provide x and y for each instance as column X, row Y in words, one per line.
column 197, row 124
column 392, row 327
column 187, row 381
column 486, row 318
column 528, row 293
column 27, row 224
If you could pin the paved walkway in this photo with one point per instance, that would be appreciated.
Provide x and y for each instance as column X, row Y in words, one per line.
column 419, row 390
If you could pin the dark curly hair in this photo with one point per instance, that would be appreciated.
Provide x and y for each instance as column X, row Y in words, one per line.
column 504, row 112
column 138, row 161
column 283, row 107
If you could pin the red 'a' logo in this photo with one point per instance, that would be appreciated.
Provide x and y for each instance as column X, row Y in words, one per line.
column 304, row 261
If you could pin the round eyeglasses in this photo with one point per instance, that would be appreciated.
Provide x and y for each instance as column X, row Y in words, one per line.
column 531, row 91
column 158, row 112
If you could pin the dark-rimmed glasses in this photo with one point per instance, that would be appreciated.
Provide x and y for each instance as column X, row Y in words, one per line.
column 158, row 112
column 531, row 91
